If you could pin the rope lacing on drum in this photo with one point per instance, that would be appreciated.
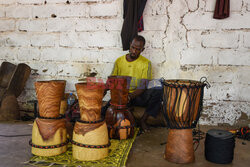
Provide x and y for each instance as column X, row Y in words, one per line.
column 121, row 127
column 175, row 113
column 118, row 105
column 192, row 83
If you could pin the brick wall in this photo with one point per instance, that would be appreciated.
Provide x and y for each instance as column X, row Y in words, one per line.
column 62, row 39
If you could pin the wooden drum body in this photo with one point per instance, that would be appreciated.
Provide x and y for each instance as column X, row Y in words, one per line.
column 119, row 119
column 120, row 123
column 49, row 135
column 90, row 141
column 90, row 135
column 49, row 96
column 182, row 104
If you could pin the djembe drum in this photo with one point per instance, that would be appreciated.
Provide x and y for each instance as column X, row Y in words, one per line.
column 119, row 119
column 182, row 104
column 49, row 136
column 90, row 135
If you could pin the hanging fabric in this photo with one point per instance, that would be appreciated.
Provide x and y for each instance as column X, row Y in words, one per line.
column 133, row 20
column 222, row 9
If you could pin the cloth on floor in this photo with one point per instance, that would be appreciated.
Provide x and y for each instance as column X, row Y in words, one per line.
column 118, row 154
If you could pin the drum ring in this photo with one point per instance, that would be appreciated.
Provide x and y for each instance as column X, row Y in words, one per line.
column 48, row 147
column 60, row 117
column 90, row 146
column 90, row 122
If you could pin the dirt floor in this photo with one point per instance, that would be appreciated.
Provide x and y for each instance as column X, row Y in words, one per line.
column 147, row 151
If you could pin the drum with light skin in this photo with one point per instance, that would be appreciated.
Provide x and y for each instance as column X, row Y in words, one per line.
column 182, row 105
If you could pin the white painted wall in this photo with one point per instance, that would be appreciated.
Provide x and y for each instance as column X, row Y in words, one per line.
column 183, row 42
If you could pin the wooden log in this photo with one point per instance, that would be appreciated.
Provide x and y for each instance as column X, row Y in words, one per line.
column 9, row 109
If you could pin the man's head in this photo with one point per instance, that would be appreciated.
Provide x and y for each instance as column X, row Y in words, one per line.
column 136, row 47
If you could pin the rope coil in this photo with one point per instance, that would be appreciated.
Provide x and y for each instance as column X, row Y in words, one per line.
column 219, row 146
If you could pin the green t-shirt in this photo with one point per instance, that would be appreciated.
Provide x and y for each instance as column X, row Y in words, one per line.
column 138, row 69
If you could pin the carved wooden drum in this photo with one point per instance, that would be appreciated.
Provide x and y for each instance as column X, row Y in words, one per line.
column 90, row 135
column 119, row 119
column 49, row 135
column 182, row 104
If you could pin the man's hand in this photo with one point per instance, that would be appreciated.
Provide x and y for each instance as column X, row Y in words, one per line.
column 139, row 90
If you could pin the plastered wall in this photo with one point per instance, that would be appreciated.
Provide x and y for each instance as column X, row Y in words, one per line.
column 72, row 39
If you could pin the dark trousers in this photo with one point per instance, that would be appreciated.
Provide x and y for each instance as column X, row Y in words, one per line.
column 150, row 98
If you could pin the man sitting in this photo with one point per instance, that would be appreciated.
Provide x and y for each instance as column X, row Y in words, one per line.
column 139, row 68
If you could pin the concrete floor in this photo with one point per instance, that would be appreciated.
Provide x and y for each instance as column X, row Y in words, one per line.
column 147, row 151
